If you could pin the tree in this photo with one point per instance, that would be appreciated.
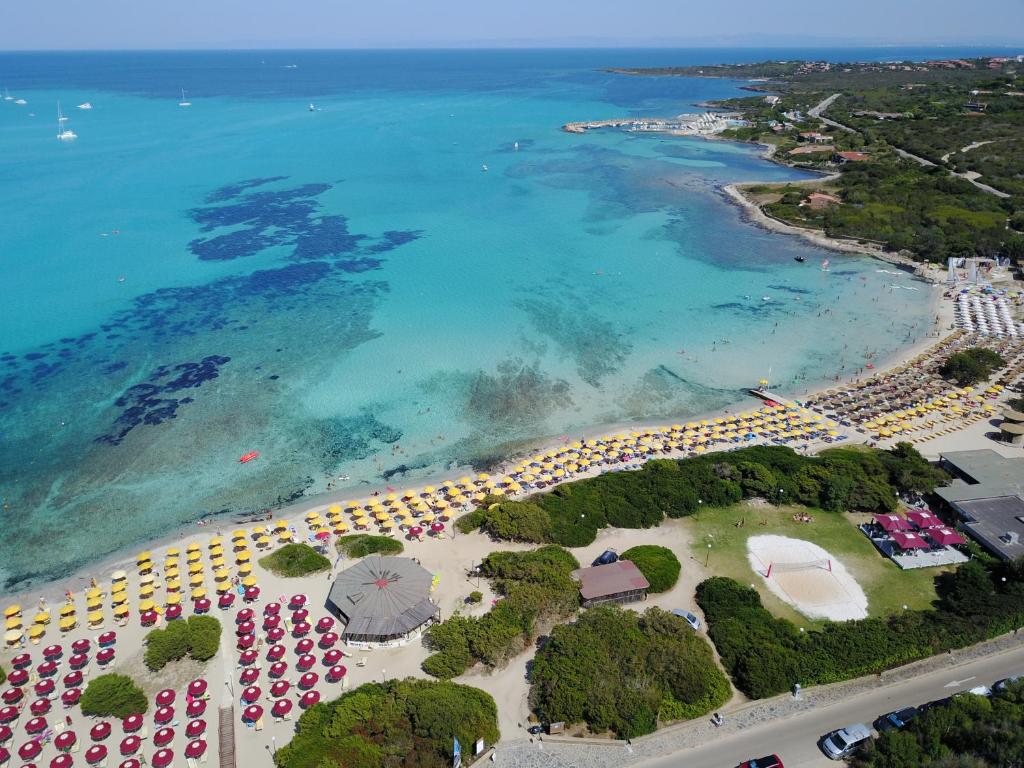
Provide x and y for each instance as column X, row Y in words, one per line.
column 971, row 365
column 294, row 560
column 659, row 565
column 198, row 637
column 113, row 695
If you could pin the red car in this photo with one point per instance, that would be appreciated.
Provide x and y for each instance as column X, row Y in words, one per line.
column 771, row 761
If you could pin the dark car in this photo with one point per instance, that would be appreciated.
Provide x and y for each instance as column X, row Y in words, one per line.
column 896, row 720
column 1006, row 682
column 607, row 557
column 533, row 730
column 771, row 761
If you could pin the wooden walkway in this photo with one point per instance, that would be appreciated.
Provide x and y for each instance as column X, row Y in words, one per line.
column 226, row 734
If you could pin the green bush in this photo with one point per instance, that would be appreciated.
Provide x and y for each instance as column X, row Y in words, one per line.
column 3, row 676
column 534, row 586
column 113, row 695
column 294, row 560
column 766, row 655
column 971, row 366
column 198, row 637
column 619, row 671
column 659, row 565
column 363, row 544
column 402, row 723
column 475, row 597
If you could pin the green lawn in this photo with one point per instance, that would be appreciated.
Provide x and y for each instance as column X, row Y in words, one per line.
column 887, row 587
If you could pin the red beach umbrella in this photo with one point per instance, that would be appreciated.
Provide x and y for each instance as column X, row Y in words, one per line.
column 202, row 605
column 6, row 734
column 78, row 660
column 100, row 731
column 325, row 624
column 21, row 661
column 247, row 657
column 107, row 638
column 270, row 622
column 332, row 657
column 300, row 629
column 4, row 756
column 172, row 612
column 40, row 706
column 8, row 714
column 65, row 740
column 300, row 614
column 304, row 646
column 415, row 531
column 163, row 737
column 275, row 652
column 309, row 698
column 281, row 707
column 81, row 646
column 197, row 687
column 249, row 676
column 36, row 725
column 195, row 708
column 44, row 687
column 274, row 634
column 97, row 753
column 18, row 677
column 252, row 713
column 322, row 535
column 13, row 695
column 73, row 679
column 308, row 680
column 148, row 618
column 130, row 745
column 105, row 656
column 278, row 668
column 297, row 601
column 251, row 694
column 328, row 639
column 271, row 609
column 29, row 750
column 195, row 728
column 70, row 697
column 52, row 652
column 225, row 601
column 47, row 668
column 163, row 715
column 62, row 761
column 132, row 723
column 280, row 688
column 305, row 662
column 162, row 758
column 437, row 527
column 195, row 748
column 131, row 762
column 245, row 628
column 252, row 593
column 334, row 674
column 165, row 698
column 246, row 641
column 245, row 614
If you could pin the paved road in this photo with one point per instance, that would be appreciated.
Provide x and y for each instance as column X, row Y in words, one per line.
column 795, row 739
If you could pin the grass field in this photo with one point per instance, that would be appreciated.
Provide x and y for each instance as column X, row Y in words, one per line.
column 887, row 587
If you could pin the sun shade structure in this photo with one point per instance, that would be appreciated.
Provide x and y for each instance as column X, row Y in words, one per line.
column 383, row 599
column 619, row 582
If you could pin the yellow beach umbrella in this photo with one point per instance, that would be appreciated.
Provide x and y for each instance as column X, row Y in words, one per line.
column 36, row 631
column 195, row 568
column 12, row 610
column 244, row 569
column 68, row 609
column 284, row 536
column 118, row 576
column 195, row 557
column 43, row 617
column 222, row 574
column 249, row 581
column 198, row 593
column 118, row 597
column 121, row 610
column 193, row 547
column 196, row 580
column 171, row 573
column 264, row 541
column 214, row 542
column 172, row 552
column 143, row 556
column 146, row 605
column 13, row 623
column 242, row 557
column 95, row 617
column 67, row 623
column 146, row 590
column 173, row 599
column 218, row 562
column 94, row 594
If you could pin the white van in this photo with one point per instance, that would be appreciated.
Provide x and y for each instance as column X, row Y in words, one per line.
column 844, row 742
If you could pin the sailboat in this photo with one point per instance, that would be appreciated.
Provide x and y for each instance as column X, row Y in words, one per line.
column 184, row 103
column 85, row 105
column 63, row 133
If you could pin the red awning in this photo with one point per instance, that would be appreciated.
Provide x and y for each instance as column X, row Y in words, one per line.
column 905, row 540
column 893, row 523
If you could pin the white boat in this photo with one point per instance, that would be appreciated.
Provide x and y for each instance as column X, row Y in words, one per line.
column 184, row 103
column 312, row 107
column 63, row 133
column 483, row 167
column 85, row 105
column 516, row 146
column 22, row 102
column 7, row 96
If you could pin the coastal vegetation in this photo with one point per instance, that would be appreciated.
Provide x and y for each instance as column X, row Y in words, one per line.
column 113, row 695
column 967, row 730
column 766, row 655
column 659, row 565
column 198, row 637
column 401, row 724
column 535, row 587
column 624, row 672
column 837, row 479
column 971, row 365
column 3, row 676
column 363, row 544
column 293, row 560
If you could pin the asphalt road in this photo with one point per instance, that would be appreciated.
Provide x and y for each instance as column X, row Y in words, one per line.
column 795, row 739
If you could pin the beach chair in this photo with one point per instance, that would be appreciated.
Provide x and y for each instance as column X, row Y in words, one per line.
column 205, row 756
column 76, row 746
column 143, row 733
column 259, row 724
column 191, row 762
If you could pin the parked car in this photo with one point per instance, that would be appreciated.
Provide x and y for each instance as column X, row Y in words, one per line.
column 1006, row 682
column 607, row 557
column 533, row 730
column 771, row 761
column 845, row 741
column 896, row 720
column 690, row 618
column 978, row 690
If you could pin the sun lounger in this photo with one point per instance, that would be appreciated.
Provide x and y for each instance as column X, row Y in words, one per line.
column 259, row 724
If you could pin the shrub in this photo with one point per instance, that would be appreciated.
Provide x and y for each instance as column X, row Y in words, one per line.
column 113, row 695
column 198, row 637
column 474, row 598
column 363, row 544
column 971, row 366
column 659, row 565
column 3, row 676
column 399, row 723
column 294, row 560
column 616, row 670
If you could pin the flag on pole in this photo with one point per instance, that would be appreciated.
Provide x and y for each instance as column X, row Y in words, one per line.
column 456, row 755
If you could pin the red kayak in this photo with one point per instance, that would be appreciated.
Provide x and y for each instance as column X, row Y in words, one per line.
column 245, row 459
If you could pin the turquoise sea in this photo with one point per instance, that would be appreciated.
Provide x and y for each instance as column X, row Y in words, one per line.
column 346, row 291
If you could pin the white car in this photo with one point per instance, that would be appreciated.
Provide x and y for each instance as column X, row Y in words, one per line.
column 692, row 619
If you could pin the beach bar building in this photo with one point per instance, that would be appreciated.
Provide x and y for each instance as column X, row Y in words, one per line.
column 987, row 495
column 383, row 600
column 619, row 582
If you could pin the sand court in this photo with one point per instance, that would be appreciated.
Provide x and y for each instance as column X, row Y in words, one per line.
column 807, row 577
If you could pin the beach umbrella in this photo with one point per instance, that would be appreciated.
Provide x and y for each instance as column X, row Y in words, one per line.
column 131, row 762
column 308, row 680
column 121, row 610
column 335, row 673
column 247, row 657
column 21, row 661
column 245, row 628
column 8, row 714
column 269, row 622
column 278, row 668
column 162, row 758
column 195, row 728
column 105, row 656
column 300, row 629
column 225, row 601
column 13, row 695
column 18, row 677
column 309, row 698
column 100, row 731
column 40, row 707
column 44, row 687
column 130, row 745
column 195, row 749
column 173, row 611
column 275, row 652
column 163, row 715
column 249, row 676
column 305, row 662
column 97, row 753
column 6, row 734
column 132, row 723
column 332, row 657
column 252, row 593
column 281, row 707
column 304, row 646
column 195, row 708
column 280, row 688
column 165, row 698
column 245, row 642
column 29, row 750
column 163, row 737
column 251, row 694
column 328, row 639
column 72, row 679
column 252, row 713
column 300, row 614
column 297, row 601
column 47, row 668
column 324, row 624
column 65, row 740
column 197, row 687
column 78, row 661
column 71, row 696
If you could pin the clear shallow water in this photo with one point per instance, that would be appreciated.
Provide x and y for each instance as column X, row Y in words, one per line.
column 347, row 292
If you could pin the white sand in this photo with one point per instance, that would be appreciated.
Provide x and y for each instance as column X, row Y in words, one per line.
column 815, row 591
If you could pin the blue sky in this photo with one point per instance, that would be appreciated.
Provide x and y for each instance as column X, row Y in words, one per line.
column 84, row 24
